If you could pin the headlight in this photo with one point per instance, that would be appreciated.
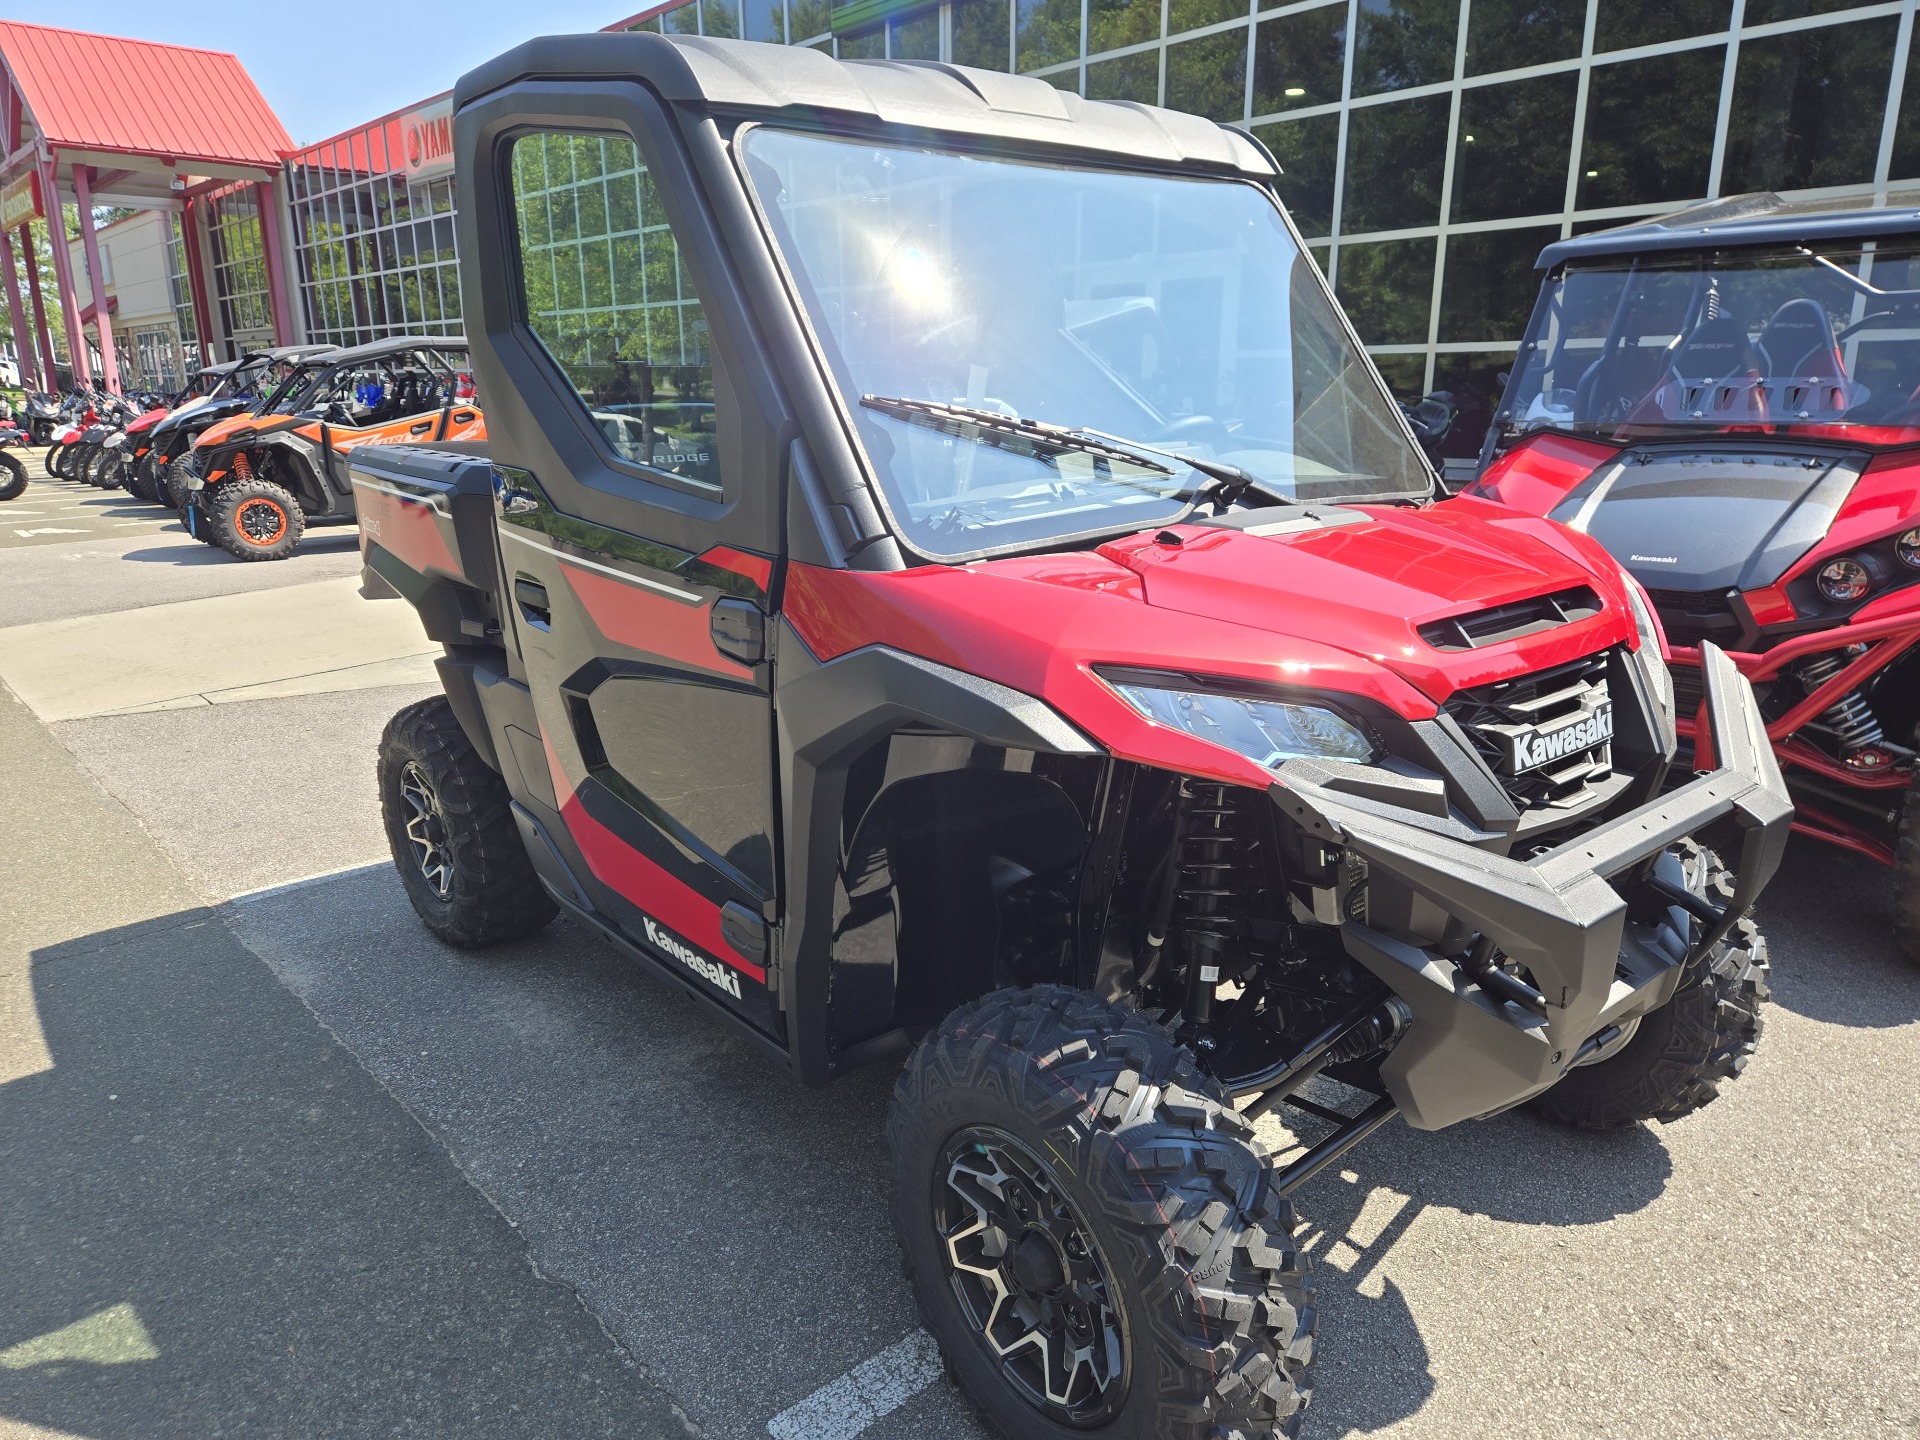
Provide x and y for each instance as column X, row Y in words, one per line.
column 1908, row 546
column 1267, row 732
column 1649, row 649
column 1844, row 581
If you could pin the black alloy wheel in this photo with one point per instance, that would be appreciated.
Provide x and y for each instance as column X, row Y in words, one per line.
column 426, row 829
column 449, row 822
column 1030, row 1277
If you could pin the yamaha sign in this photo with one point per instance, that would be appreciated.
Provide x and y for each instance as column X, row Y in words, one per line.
column 427, row 135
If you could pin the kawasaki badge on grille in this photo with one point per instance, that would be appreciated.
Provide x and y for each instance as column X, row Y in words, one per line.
column 1531, row 747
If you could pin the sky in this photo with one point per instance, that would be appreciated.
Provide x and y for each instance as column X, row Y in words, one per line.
column 324, row 67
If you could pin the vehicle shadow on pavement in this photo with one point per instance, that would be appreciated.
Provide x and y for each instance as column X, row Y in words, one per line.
column 216, row 1222
column 1828, row 918
column 1512, row 1169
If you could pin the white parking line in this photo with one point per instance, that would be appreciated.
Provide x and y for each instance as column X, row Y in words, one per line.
column 48, row 530
column 843, row 1407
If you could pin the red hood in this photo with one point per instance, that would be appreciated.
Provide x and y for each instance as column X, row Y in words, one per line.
column 1367, row 588
column 1333, row 610
column 148, row 421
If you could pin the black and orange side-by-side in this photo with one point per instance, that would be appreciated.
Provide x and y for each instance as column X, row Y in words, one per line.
column 262, row 477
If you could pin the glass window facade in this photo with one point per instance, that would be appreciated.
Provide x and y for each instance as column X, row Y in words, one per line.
column 180, row 292
column 240, row 266
column 374, row 253
column 1430, row 147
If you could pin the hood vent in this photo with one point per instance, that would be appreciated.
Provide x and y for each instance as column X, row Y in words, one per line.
column 1511, row 622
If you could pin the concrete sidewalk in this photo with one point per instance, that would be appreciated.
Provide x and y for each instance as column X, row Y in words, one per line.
column 213, row 1220
column 294, row 640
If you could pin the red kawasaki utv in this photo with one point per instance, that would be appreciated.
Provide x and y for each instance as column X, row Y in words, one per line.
column 1728, row 399
column 967, row 597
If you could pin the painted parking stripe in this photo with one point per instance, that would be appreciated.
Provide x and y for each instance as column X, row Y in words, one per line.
column 843, row 1407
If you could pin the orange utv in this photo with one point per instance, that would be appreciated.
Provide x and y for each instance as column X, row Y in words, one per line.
column 261, row 479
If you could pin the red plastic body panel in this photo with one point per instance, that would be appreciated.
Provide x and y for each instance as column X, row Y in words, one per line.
column 630, row 616
column 1230, row 604
column 627, row 872
column 1536, row 474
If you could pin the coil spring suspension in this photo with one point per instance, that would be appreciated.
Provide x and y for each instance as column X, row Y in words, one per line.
column 1203, row 887
column 242, row 467
column 1850, row 718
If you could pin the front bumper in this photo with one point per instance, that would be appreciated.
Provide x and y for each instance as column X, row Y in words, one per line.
column 1466, row 1054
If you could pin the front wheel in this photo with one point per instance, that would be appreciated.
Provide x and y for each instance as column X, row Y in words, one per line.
column 449, row 822
column 1091, row 1230
column 253, row 519
column 56, row 459
column 13, row 477
column 1674, row 1060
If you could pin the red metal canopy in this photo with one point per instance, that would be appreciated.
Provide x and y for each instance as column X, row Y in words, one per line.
column 108, row 95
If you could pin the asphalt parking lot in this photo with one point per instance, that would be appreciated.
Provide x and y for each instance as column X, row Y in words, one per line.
column 272, row 1162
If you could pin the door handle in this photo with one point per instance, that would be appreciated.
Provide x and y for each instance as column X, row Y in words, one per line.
column 421, row 428
column 463, row 417
column 531, row 596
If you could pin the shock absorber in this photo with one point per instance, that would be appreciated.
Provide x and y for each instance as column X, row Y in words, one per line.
column 1204, row 885
column 1850, row 719
column 242, row 466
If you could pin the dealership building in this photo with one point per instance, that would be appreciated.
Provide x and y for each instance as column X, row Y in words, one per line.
column 1430, row 148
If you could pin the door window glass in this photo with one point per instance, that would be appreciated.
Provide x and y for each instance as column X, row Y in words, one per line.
column 607, row 296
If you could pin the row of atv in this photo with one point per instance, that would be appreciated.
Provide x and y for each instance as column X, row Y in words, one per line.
column 254, row 453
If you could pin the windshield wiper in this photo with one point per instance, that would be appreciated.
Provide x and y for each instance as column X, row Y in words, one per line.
column 1046, row 442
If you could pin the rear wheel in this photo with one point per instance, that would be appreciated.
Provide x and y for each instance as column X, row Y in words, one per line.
column 450, row 826
column 253, row 519
column 1091, row 1229
column 13, row 476
column 1676, row 1059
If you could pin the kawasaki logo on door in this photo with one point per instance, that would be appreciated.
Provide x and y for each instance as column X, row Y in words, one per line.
column 712, row 971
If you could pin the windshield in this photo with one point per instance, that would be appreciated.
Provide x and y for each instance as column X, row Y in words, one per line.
column 1741, row 341
column 1168, row 312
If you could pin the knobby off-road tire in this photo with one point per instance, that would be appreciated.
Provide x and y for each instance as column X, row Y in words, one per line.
column 1101, row 1129
column 1906, row 875
column 173, row 487
column 13, row 476
column 254, row 519
column 454, row 842
column 1698, row 1041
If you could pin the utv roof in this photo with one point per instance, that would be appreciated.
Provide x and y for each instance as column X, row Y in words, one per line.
column 225, row 367
column 283, row 352
column 1759, row 219
column 393, row 345
column 804, row 87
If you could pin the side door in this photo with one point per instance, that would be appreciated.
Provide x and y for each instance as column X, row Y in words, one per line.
column 638, row 458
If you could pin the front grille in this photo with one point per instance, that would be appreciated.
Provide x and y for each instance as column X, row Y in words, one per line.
column 1547, row 736
column 1510, row 622
column 1690, row 616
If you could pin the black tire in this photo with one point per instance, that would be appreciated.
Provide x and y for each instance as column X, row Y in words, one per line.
column 1169, row 1211
column 253, row 519
column 81, row 466
column 13, row 477
column 1906, row 876
column 174, row 489
column 1682, row 1053
column 140, row 480
column 462, row 861
column 57, row 458
column 109, row 470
